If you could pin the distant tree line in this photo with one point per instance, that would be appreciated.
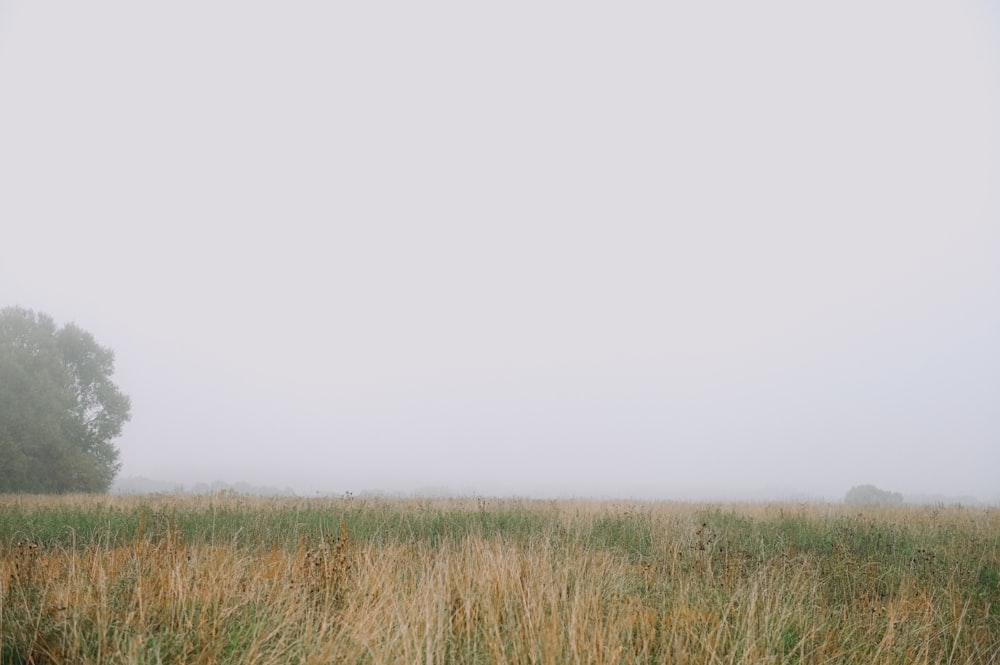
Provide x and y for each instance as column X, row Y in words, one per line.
column 140, row 485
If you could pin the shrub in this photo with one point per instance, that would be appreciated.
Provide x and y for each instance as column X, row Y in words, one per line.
column 869, row 495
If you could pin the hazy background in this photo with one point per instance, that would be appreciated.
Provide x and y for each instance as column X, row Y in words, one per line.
column 619, row 248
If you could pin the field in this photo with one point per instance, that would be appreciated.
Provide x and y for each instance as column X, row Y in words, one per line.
column 229, row 579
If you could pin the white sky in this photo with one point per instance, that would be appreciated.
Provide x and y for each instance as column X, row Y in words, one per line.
column 543, row 248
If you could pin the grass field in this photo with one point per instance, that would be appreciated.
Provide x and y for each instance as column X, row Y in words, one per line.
column 351, row 580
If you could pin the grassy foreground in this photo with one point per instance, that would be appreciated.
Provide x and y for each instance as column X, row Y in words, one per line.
column 242, row 580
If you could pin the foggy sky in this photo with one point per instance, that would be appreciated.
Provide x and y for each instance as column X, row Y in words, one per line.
column 628, row 249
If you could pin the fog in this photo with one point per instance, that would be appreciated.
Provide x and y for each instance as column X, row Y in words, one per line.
column 654, row 250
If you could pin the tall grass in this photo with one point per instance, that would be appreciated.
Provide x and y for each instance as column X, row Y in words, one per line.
column 351, row 580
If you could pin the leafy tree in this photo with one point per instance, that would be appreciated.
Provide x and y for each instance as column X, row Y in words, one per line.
column 59, row 409
column 869, row 495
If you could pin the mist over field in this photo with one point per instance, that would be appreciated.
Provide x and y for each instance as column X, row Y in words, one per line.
column 543, row 249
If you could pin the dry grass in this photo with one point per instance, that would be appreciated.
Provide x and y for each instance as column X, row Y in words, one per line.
column 238, row 580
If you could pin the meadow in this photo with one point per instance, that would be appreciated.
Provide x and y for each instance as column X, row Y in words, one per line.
column 231, row 579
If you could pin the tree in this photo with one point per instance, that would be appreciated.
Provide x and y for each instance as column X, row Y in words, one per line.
column 59, row 409
column 869, row 495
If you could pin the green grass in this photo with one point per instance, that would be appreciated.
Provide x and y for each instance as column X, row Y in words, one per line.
column 234, row 579
column 250, row 522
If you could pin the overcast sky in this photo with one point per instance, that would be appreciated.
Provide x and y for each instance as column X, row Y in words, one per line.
column 543, row 248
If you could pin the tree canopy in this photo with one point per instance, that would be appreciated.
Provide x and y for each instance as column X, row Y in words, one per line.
column 59, row 409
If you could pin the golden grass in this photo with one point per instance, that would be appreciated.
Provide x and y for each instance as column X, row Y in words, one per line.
column 474, row 581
